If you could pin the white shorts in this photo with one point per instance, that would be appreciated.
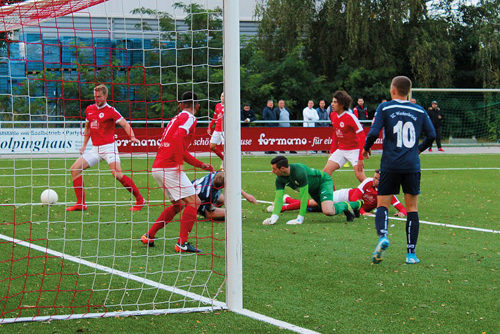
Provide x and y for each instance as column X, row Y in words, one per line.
column 341, row 156
column 217, row 138
column 341, row 195
column 108, row 152
column 174, row 182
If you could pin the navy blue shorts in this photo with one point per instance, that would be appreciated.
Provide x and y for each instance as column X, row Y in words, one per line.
column 390, row 182
column 208, row 204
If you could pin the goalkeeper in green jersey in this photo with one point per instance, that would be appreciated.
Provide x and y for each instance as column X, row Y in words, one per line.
column 308, row 181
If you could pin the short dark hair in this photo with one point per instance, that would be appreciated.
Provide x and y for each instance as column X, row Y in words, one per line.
column 402, row 85
column 188, row 98
column 280, row 161
column 218, row 181
column 343, row 98
column 377, row 171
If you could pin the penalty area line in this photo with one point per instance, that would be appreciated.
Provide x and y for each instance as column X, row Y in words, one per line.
column 479, row 229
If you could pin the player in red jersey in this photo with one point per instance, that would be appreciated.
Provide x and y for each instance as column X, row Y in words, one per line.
column 367, row 191
column 217, row 137
column 167, row 171
column 348, row 137
column 100, row 127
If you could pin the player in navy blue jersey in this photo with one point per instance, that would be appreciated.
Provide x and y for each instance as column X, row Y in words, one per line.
column 209, row 190
column 403, row 122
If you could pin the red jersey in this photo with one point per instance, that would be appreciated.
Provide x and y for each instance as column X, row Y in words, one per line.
column 368, row 193
column 102, row 121
column 218, row 118
column 346, row 130
column 171, row 152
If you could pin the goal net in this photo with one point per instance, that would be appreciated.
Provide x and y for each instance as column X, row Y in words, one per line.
column 58, row 264
column 470, row 116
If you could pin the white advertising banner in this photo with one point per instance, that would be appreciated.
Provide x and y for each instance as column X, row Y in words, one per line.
column 23, row 141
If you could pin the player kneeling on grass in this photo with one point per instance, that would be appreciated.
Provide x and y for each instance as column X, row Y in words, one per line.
column 167, row 171
column 367, row 191
column 308, row 181
column 209, row 190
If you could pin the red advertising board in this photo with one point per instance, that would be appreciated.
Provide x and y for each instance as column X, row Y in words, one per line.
column 252, row 139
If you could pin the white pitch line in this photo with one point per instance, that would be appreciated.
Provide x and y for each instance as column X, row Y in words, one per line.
column 112, row 271
column 272, row 321
column 479, row 229
column 215, row 305
column 107, row 314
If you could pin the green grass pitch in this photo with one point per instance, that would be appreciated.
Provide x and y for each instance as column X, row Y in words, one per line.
column 317, row 275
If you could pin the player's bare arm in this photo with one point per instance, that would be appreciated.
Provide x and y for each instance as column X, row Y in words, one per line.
column 128, row 130
column 248, row 197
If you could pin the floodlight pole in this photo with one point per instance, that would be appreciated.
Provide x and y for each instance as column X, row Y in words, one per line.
column 232, row 160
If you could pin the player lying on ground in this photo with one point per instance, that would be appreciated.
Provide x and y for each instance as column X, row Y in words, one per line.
column 402, row 122
column 167, row 171
column 308, row 181
column 209, row 190
column 367, row 191
column 100, row 127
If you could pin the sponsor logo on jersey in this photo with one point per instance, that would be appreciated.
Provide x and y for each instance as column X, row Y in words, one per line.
column 101, row 115
column 341, row 124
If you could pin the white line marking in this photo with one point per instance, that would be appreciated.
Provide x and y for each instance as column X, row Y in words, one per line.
column 274, row 322
column 215, row 305
column 107, row 314
column 479, row 229
column 429, row 223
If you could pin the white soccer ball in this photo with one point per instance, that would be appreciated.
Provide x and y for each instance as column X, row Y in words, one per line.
column 49, row 197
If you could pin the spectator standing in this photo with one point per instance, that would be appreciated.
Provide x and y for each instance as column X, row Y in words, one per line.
column 268, row 114
column 247, row 115
column 284, row 114
column 436, row 117
column 310, row 115
column 323, row 114
column 361, row 112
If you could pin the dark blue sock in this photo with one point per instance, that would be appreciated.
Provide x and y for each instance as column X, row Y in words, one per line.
column 381, row 221
column 412, row 227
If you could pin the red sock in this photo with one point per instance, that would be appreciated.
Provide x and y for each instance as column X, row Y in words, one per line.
column 290, row 200
column 130, row 186
column 294, row 205
column 219, row 154
column 187, row 221
column 79, row 190
column 166, row 216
